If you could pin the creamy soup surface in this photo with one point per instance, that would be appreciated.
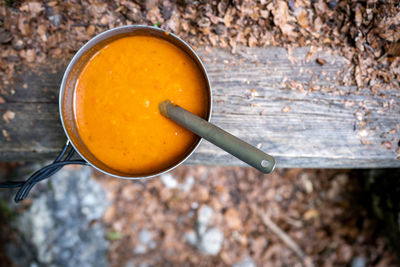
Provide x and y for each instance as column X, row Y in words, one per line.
column 116, row 104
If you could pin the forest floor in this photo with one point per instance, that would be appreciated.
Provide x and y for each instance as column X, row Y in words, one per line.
column 322, row 210
column 366, row 33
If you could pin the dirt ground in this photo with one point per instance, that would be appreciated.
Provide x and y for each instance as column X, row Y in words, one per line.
column 322, row 210
column 366, row 32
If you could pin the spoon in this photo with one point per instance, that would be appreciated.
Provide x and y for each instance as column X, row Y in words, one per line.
column 231, row 144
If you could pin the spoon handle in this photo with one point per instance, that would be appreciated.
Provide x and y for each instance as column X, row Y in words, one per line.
column 231, row 144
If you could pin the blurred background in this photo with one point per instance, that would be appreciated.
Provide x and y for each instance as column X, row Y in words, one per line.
column 204, row 215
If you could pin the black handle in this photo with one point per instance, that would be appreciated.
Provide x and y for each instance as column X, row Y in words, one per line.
column 64, row 158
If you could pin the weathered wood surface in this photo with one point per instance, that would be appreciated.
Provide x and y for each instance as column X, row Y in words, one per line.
column 254, row 99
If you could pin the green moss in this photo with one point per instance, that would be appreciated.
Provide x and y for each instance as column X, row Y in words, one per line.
column 6, row 211
column 9, row 3
column 50, row 186
column 114, row 235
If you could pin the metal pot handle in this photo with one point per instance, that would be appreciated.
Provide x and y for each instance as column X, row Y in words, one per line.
column 64, row 158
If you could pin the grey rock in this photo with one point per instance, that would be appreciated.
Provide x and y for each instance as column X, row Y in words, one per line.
column 18, row 45
column 246, row 262
column 194, row 205
column 5, row 36
column 140, row 249
column 211, row 241
column 278, row 197
column 358, row 262
column 205, row 215
column 129, row 264
column 145, row 237
column 191, row 238
column 146, row 242
column 11, row 58
column 207, row 241
column 169, row 181
column 220, row 29
column 55, row 19
column 60, row 226
column 190, row 214
column 132, row 264
column 188, row 184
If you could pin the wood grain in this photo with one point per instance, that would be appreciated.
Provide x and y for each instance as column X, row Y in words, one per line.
column 255, row 98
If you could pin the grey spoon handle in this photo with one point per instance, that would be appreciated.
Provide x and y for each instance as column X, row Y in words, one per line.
column 231, row 144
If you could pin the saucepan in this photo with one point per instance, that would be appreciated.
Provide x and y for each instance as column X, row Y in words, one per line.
column 200, row 126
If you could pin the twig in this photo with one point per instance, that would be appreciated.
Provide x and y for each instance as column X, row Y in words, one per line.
column 282, row 235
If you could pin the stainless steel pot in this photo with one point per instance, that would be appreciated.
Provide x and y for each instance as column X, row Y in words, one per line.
column 237, row 147
column 66, row 100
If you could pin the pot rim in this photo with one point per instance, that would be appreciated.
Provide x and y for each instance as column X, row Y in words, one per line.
column 95, row 40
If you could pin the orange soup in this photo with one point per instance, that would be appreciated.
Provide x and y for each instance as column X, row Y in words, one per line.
column 116, row 103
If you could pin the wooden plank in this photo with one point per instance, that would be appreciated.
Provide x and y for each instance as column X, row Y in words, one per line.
column 254, row 98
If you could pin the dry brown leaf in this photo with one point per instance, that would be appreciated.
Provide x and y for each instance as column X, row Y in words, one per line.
column 311, row 53
column 90, row 30
column 318, row 25
column 228, row 17
column 358, row 77
column 232, row 219
column 34, row 8
column 321, row 61
column 387, row 144
column 149, row 4
column 110, row 214
column 81, row 33
column 8, row 115
column 202, row 193
column 221, row 7
column 264, row 14
column 358, row 16
column 154, row 15
column 23, row 26
column 302, row 19
column 290, row 57
column 344, row 253
column 6, row 135
column 42, row 30
column 174, row 22
column 281, row 14
column 394, row 49
column 204, row 22
column 311, row 214
column 252, row 41
column 30, row 55
column 97, row 9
